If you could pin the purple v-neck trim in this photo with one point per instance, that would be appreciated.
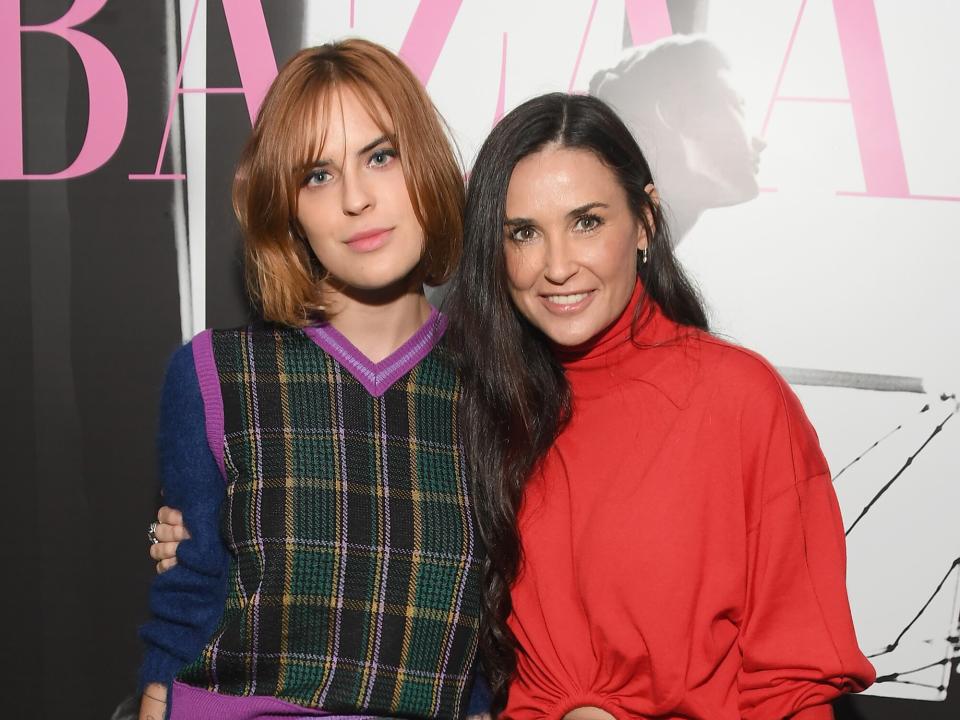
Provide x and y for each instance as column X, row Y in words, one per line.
column 378, row 377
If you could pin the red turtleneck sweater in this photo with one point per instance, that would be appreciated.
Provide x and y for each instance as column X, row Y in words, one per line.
column 683, row 547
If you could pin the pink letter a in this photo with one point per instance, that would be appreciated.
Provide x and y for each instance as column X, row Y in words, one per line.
column 649, row 20
column 255, row 62
column 871, row 101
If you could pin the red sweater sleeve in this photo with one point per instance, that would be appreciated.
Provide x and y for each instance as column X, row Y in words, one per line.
column 797, row 639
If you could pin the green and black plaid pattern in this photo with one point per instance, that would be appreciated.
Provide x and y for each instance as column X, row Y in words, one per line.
column 355, row 577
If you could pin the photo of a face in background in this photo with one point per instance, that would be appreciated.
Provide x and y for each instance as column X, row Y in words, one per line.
column 677, row 97
column 760, row 148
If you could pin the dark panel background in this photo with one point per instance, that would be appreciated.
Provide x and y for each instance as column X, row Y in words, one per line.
column 90, row 291
column 228, row 125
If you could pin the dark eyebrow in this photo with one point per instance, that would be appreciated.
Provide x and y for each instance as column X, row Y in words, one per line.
column 323, row 162
column 586, row 208
column 371, row 145
column 312, row 165
column 576, row 212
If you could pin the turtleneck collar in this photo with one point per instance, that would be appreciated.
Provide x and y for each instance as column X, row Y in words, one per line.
column 661, row 353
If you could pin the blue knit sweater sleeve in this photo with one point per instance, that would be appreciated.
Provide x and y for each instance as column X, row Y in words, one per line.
column 187, row 601
column 480, row 695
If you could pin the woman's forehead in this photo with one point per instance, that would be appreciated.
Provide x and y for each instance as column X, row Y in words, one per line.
column 556, row 179
column 556, row 166
column 346, row 118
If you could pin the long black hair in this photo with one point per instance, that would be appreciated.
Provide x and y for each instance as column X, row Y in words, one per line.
column 515, row 397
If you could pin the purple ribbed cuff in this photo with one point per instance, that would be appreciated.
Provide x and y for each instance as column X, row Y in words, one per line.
column 210, row 391
column 190, row 703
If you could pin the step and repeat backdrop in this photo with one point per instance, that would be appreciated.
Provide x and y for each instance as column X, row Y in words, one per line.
column 807, row 154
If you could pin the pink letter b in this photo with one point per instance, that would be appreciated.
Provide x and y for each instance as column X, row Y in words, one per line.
column 107, row 92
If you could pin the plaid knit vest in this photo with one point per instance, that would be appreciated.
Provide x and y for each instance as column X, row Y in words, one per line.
column 355, row 575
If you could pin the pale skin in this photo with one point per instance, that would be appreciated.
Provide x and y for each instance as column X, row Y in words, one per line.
column 569, row 232
column 358, row 187
column 356, row 213
column 153, row 704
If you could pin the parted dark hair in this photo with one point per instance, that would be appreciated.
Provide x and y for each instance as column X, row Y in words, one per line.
column 515, row 397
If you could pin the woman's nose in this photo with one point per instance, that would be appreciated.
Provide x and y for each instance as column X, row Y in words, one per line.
column 559, row 265
column 356, row 194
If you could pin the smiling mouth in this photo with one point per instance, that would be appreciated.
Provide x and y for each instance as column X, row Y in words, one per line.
column 567, row 303
column 571, row 299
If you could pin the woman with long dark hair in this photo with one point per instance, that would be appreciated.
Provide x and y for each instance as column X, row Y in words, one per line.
column 662, row 535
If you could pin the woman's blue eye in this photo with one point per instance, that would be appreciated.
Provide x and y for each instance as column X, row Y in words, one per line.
column 382, row 157
column 316, row 177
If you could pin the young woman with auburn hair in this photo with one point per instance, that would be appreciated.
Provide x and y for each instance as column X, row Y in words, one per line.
column 333, row 565
column 282, row 269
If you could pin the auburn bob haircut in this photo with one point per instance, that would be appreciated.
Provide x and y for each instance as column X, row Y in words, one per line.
column 283, row 275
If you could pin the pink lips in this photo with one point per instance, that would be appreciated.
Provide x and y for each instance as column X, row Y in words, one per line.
column 558, row 309
column 368, row 240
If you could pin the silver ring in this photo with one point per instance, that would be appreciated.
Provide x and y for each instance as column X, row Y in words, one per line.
column 152, row 532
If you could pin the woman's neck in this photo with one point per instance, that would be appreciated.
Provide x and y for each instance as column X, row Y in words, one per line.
column 377, row 322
